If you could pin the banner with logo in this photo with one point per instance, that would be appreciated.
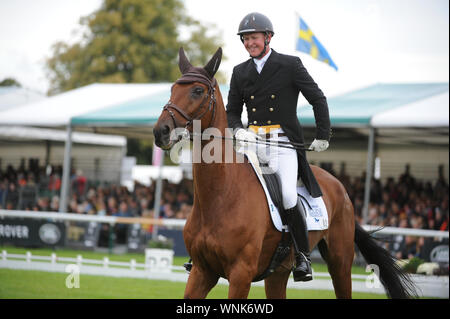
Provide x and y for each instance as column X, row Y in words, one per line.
column 36, row 233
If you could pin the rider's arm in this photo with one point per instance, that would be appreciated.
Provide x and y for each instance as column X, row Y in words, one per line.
column 235, row 103
column 314, row 95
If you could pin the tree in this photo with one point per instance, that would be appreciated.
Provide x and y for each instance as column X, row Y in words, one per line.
column 130, row 41
column 10, row 82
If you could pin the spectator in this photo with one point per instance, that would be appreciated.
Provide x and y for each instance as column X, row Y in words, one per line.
column 3, row 191
column 80, row 183
column 12, row 197
column 121, row 229
column 408, row 248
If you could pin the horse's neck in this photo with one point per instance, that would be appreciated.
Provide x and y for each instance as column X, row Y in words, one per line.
column 210, row 176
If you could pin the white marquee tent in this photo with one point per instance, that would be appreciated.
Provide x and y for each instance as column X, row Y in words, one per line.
column 379, row 106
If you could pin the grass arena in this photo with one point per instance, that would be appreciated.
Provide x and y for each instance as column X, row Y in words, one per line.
column 32, row 284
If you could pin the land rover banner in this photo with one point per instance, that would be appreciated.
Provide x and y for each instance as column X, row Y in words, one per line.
column 26, row 232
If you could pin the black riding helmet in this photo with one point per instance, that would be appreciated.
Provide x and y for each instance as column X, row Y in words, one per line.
column 256, row 22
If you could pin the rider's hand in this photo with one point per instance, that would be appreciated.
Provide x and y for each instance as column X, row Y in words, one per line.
column 319, row 145
column 243, row 137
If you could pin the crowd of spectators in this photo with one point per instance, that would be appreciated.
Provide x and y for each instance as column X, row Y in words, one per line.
column 403, row 202
column 39, row 191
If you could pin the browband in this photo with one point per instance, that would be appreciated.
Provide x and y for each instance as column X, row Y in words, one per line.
column 190, row 77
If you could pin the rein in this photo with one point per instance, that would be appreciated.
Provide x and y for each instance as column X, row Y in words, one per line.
column 288, row 145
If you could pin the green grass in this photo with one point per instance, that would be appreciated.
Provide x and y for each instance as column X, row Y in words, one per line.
column 35, row 284
column 140, row 258
column 24, row 284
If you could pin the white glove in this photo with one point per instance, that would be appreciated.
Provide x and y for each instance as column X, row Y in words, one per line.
column 243, row 137
column 318, row 145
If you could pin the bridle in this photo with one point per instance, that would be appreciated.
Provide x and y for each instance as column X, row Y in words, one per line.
column 191, row 77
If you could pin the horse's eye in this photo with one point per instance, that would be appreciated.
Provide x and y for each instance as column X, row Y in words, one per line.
column 197, row 91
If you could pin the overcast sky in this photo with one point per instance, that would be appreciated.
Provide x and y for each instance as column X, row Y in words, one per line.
column 369, row 40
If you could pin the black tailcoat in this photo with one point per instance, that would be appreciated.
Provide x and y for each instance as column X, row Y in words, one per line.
column 271, row 98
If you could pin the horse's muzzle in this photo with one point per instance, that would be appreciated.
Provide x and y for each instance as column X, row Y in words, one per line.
column 162, row 136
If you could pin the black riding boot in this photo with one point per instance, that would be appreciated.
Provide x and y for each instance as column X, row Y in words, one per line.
column 296, row 221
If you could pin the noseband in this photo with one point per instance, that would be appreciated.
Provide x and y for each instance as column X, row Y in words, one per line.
column 191, row 77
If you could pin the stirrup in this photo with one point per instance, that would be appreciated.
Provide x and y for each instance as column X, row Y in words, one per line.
column 304, row 274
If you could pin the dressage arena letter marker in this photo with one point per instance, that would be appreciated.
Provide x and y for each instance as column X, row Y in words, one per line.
column 73, row 279
column 373, row 280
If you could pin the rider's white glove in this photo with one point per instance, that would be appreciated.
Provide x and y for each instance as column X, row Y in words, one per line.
column 243, row 137
column 319, row 145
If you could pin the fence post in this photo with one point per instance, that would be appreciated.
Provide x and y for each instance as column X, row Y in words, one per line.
column 105, row 262
column 111, row 238
column 79, row 260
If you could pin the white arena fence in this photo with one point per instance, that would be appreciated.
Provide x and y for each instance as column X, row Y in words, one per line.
column 429, row 286
column 179, row 223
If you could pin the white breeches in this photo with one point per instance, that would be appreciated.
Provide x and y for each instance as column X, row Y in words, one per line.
column 282, row 161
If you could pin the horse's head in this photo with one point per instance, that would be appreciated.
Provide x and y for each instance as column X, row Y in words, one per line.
column 192, row 98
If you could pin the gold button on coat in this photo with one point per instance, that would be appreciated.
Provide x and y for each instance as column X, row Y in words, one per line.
column 252, row 97
column 272, row 96
column 255, row 122
column 269, row 122
column 271, row 109
column 253, row 109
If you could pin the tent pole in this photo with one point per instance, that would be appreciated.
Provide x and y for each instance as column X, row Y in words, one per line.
column 365, row 212
column 158, row 192
column 66, row 171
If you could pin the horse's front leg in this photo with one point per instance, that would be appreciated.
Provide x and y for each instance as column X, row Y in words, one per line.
column 199, row 283
column 240, row 280
column 242, row 272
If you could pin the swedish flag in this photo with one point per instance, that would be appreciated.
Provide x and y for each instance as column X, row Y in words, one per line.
column 307, row 42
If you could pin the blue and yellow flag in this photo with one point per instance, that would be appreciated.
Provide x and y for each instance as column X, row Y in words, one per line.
column 307, row 42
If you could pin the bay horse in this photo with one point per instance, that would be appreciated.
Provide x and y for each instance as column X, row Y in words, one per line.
column 229, row 232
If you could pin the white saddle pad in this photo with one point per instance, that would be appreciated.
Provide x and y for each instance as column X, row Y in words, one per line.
column 316, row 211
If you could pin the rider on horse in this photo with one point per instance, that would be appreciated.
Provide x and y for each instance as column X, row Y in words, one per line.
column 269, row 84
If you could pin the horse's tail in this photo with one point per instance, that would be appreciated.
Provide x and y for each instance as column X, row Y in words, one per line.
column 397, row 283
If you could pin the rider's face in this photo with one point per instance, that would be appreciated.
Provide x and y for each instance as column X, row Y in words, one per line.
column 254, row 43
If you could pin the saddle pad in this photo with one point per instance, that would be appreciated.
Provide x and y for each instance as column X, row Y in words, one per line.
column 316, row 212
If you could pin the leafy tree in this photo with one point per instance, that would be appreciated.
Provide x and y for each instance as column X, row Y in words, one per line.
column 10, row 82
column 130, row 41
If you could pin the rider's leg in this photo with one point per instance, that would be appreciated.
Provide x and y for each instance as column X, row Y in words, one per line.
column 286, row 166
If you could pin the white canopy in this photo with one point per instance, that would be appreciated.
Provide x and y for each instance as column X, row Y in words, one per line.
column 429, row 112
column 59, row 109
column 31, row 133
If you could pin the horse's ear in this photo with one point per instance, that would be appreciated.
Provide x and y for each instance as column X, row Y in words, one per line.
column 183, row 62
column 214, row 63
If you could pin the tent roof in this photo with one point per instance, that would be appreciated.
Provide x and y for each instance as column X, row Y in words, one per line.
column 380, row 105
column 133, row 118
column 428, row 112
column 142, row 111
column 59, row 109
column 357, row 108
column 131, row 109
column 21, row 133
